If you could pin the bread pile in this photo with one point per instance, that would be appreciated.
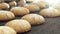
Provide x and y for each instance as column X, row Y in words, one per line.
column 26, row 11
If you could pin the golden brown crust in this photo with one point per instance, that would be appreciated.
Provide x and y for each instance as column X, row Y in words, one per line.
column 19, row 25
column 7, row 30
column 49, row 12
column 34, row 19
column 20, row 11
column 32, row 8
column 40, row 3
column 13, row 3
column 21, row 2
column 4, row 6
column 6, row 15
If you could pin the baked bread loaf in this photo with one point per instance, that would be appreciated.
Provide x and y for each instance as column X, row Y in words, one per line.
column 13, row 3
column 34, row 19
column 7, row 30
column 32, row 8
column 6, row 15
column 21, row 2
column 19, row 25
column 40, row 3
column 56, row 6
column 4, row 6
column 19, row 11
column 49, row 12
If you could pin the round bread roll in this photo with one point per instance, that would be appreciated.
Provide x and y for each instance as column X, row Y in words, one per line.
column 19, row 25
column 32, row 8
column 20, row 11
column 7, row 30
column 12, row 3
column 49, row 12
column 6, row 15
column 40, row 3
column 21, row 2
column 56, row 6
column 4, row 6
column 34, row 19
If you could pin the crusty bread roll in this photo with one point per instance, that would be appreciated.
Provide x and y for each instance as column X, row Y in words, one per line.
column 32, row 8
column 4, row 6
column 19, row 25
column 13, row 3
column 7, row 30
column 34, row 19
column 40, row 3
column 6, row 15
column 56, row 6
column 21, row 2
column 20, row 11
column 49, row 12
